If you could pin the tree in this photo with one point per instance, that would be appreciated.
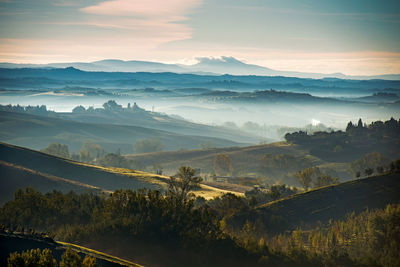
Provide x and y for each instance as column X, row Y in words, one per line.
column 113, row 160
column 305, row 176
column 349, row 127
column 56, row 149
column 79, row 109
column 148, row 145
column 183, row 182
column 158, row 168
column 70, row 259
column 33, row 257
column 222, row 164
column 112, row 106
column 275, row 192
column 379, row 169
column 360, row 124
column 370, row 160
column 90, row 151
column 89, row 261
column 325, row 180
column 368, row 171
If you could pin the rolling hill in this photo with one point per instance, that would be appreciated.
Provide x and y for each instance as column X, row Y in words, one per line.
column 19, row 242
column 245, row 160
column 23, row 167
column 153, row 120
column 38, row 132
column 41, row 78
column 14, row 177
column 307, row 210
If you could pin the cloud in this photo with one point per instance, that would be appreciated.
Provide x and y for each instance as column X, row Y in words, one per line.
column 155, row 21
column 166, row 10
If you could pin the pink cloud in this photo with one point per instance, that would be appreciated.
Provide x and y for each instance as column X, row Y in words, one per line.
column 172, row 9
column 153, row 21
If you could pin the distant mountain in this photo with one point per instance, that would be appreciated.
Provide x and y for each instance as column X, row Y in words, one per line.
column 223, row 65
column 29, row 78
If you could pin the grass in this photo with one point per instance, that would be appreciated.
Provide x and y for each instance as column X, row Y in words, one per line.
column 335, row 201
column 245, row 159
column 98, row 254
column 13, row 241
column 46, row 167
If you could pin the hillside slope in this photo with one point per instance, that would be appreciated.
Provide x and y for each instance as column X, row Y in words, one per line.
column 244, row 158
column 328, row 203
column 18, row 242
column 38, row 132
column 68, row 174
column 14, row 177
column 161, row 122
column 76, row 171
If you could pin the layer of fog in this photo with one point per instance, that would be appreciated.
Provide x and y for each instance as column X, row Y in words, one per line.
column 269, row 117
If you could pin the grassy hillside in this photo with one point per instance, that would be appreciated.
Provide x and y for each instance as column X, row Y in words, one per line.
column 241, row 157
column 19, row 242
column 15, row 176
column 328, row 203
column 32, row 168
column 246, row 161
column 38, row 132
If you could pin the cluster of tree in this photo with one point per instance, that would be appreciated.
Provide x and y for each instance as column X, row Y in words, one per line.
column 223, row 165
column 368, row 164
column 309, row 128
column 58, row 150
column 95, row 154
column 169, row 221
column 148, row 145
column 258, row 195
column 215, row 229
column 371, row 238
column 88, row 152
column 360, row 138
column 44, row 258
column 118, row 161
column 35, row 110
column 315, row 176
column 282, row 164
column 109, row 106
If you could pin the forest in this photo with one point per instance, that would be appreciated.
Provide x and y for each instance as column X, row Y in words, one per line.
column 199, row 232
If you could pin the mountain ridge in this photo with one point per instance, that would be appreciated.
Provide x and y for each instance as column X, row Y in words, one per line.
column 205, row 65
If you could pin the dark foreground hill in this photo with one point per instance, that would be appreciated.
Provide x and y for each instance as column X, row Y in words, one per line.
column 76, row 171
column 307, row 210
column 13, row 242
column 15, row 176
column 22, row 167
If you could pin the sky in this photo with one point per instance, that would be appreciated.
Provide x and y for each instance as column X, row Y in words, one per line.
column 354, row 37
